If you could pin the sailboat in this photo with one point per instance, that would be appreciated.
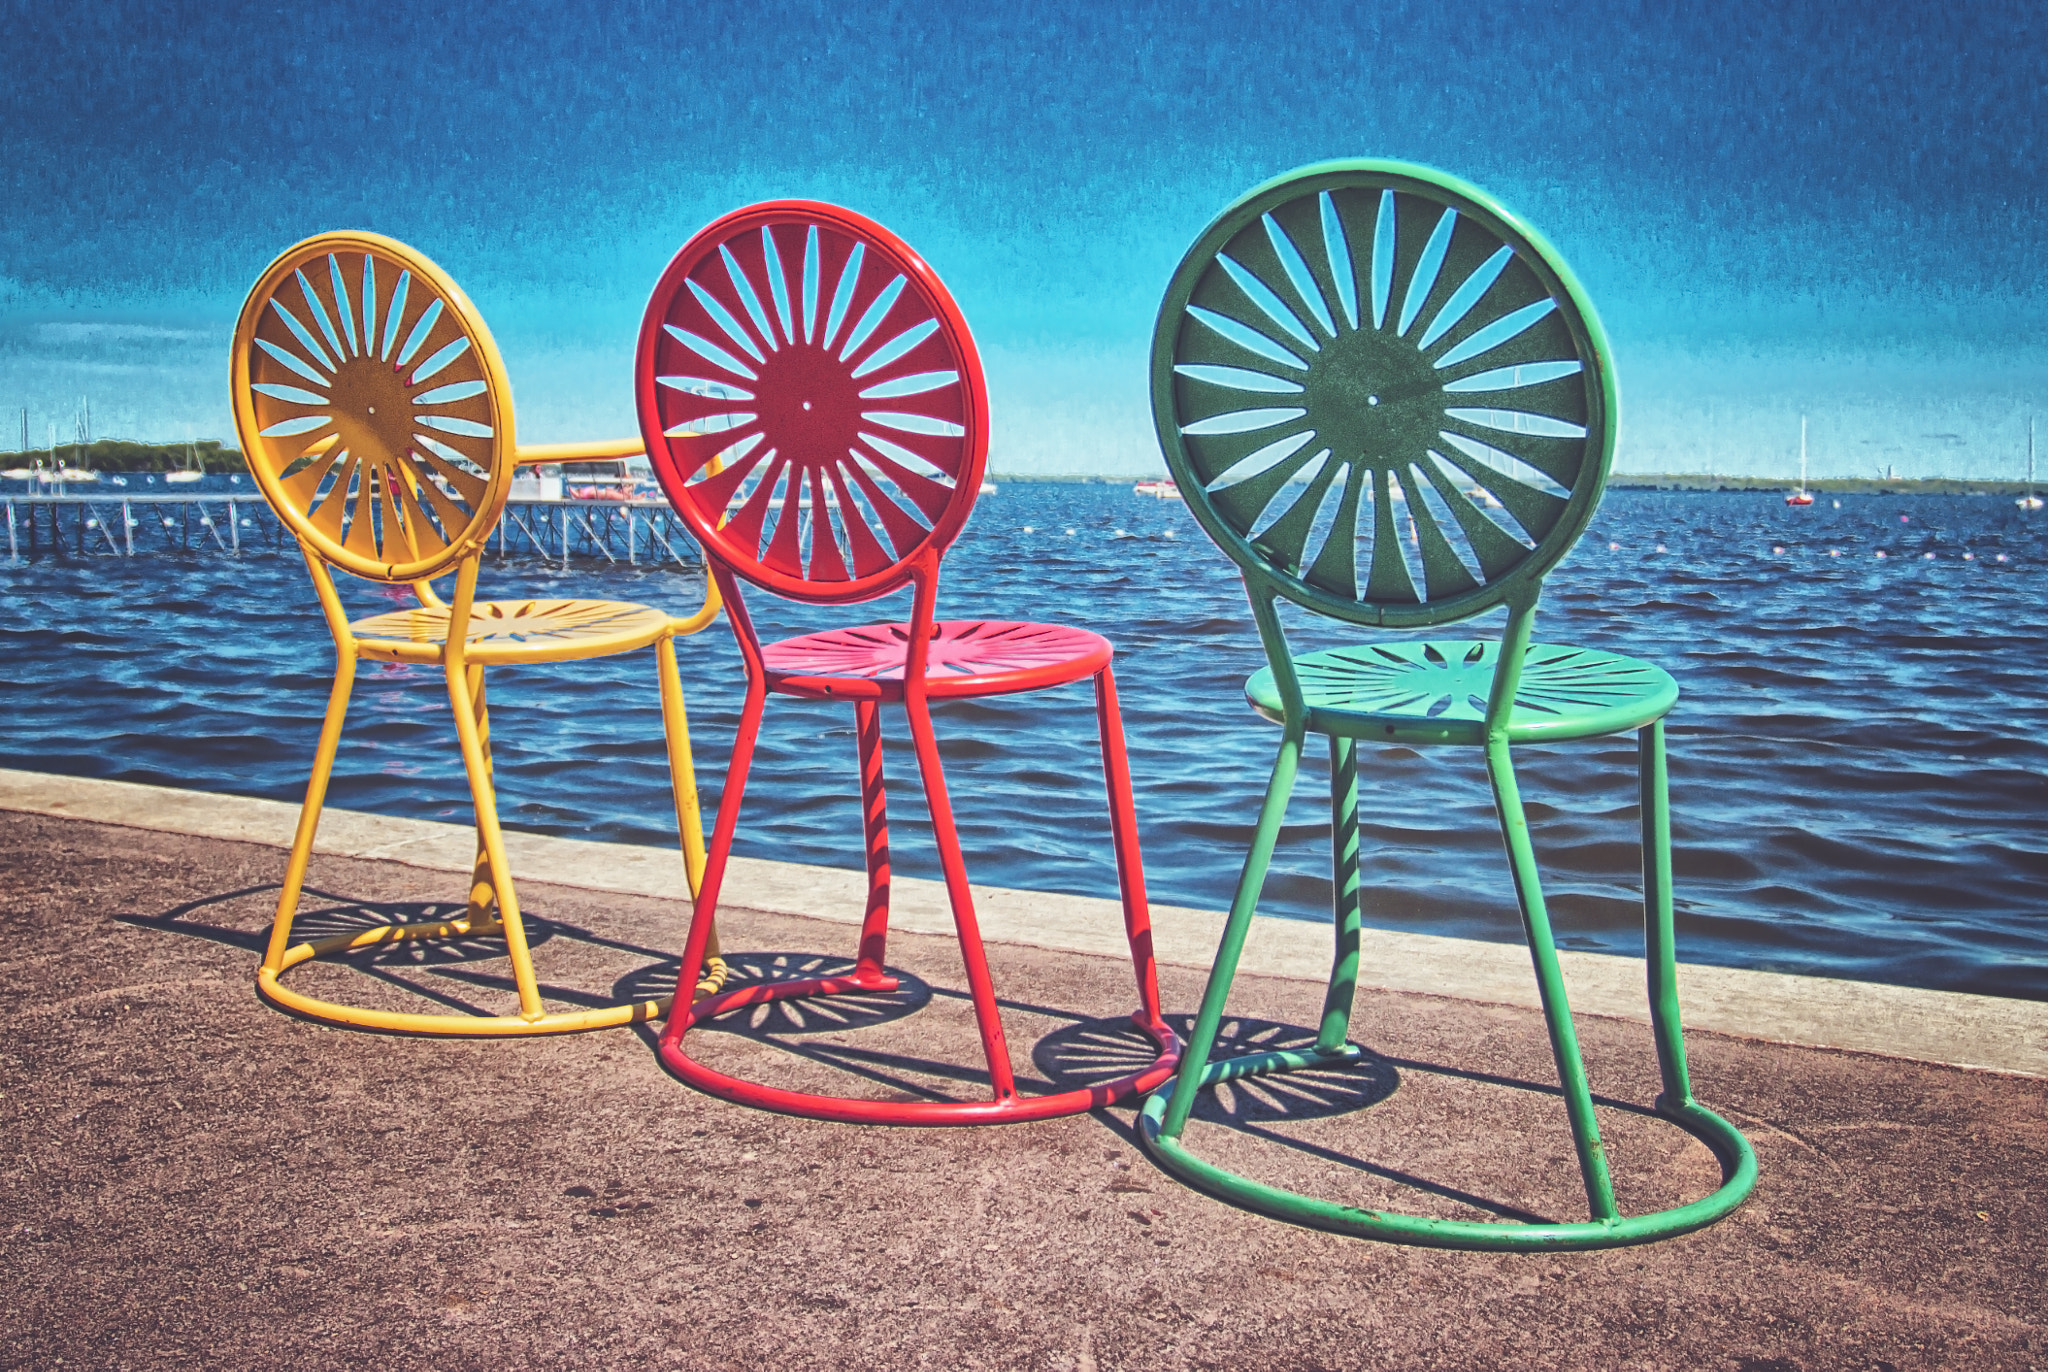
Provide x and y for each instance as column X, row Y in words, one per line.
column 21, row 473
column 1800, row 496
column 82, row 450
column 194, row 472
column 2029, row 501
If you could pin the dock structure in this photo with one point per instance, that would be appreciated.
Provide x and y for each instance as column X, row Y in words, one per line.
column 563, row 531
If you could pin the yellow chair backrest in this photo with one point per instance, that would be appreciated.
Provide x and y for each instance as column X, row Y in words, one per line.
column 372, row 407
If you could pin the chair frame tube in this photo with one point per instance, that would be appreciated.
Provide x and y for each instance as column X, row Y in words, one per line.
column 869, row 976
column 1163, row 1121
column 493, row 902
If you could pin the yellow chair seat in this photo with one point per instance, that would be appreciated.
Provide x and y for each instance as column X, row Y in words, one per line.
column 514, row 631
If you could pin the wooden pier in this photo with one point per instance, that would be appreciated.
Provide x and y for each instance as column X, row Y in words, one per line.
column 563, row 531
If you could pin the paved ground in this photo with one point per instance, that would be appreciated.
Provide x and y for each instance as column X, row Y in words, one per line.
column 190, row 1178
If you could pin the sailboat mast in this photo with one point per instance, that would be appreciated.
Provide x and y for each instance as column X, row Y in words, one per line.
column 1802, row 452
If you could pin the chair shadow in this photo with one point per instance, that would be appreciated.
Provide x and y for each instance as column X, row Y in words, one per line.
column 327, row 914
column 784, row 1024
column 1085, row 1051
column 789, row 1025
column 787, row 1018
column 1090, row 1052
column 1096, row 1050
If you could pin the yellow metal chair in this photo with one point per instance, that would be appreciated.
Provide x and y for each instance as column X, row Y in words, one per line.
column 375, row 414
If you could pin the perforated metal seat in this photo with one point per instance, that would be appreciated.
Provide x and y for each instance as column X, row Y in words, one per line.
column 502, row 631
column 962, row 658
column 1435, row 692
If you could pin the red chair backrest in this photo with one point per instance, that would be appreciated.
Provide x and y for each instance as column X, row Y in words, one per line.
column 811, row 400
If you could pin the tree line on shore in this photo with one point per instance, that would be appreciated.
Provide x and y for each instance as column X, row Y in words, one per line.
column 125, row 455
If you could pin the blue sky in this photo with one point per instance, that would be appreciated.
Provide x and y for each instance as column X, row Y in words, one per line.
column 1809, row 207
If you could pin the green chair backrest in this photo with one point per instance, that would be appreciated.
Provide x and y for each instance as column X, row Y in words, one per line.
column 1383, row 394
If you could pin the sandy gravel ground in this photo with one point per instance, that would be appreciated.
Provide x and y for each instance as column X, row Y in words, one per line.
column 190, row 1178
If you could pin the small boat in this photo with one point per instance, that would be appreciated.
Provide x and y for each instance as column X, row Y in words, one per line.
column 2029, row 501
column 613, row 478
column 1800, row 496
column 988, row 488
column 80, row 475
column 746, row 493
column 1481, row 496
column 1163, row 489
column 19, row 474
column 194, row 468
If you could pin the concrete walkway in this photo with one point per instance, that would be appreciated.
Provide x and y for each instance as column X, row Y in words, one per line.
column 190, row 1178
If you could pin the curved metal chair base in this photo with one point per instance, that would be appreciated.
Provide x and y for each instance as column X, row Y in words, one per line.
column 271, row 985
column 846, row 1110
column 1738, row 1176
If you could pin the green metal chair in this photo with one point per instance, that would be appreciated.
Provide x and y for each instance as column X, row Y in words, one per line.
column 1389, row 401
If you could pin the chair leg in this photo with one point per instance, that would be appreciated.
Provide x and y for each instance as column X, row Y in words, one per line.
column 483, row 886
column 874, row 813
column 1194, row 1061
column 1163, row 1118
column 1557, row 1013
column 682, row 778
column 704, row 911
column 1130, row 865
column 1346, row 896
column 469, row 708
column 981, row 986
column 1660, row 953
column 309, row 812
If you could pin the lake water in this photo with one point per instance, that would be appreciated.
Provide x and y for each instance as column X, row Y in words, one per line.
column 1859, row 762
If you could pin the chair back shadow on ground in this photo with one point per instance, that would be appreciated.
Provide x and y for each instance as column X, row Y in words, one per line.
column 457, row 972
column 1387, row 399
column 813, row 405
column 375, row 415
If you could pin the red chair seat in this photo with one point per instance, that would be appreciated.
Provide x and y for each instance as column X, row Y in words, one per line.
column 966, row 657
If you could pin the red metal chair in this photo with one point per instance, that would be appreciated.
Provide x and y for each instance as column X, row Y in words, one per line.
column 817, row 357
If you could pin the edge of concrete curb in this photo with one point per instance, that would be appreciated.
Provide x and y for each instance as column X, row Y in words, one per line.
column 1991, row 1033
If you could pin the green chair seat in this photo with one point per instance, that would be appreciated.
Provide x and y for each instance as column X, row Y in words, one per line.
column 1435, row 692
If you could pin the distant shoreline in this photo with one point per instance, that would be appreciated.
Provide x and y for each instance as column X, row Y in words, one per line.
column 122, row 455
column 1668, row 481
column 1838, row 485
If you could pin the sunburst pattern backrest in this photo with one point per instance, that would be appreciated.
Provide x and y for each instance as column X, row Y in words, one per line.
column 825, row 365
column 1384, row 391
column 372, row 406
